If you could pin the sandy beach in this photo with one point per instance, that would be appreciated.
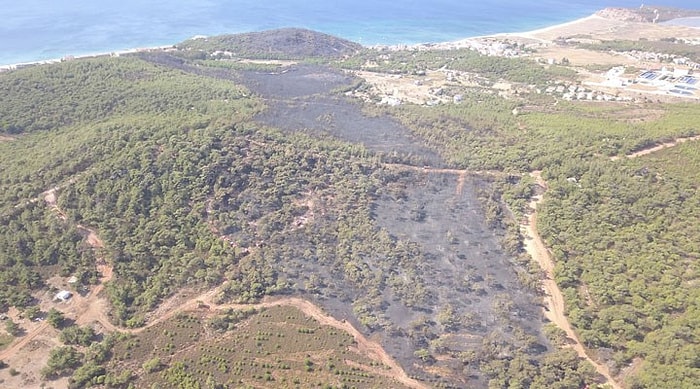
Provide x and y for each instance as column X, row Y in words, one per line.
column 579, row 25
column 551, row 32
column 593, row 26
column 598, row 27
column 544, row 35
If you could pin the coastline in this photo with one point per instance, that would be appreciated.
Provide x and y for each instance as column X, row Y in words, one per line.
column 115, row 53
column 538, row 35
column 454, row 44
column 593, row 23
column 534, row 35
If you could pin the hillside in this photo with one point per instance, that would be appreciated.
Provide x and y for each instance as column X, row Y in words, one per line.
column 244, row 222
column 647, row 14
column 286, row 43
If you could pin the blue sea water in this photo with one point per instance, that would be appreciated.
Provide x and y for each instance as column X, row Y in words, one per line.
column 33, row 30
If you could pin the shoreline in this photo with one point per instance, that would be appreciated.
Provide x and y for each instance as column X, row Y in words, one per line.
column 114, row 53
column 539, row 35
column 529, row 34
column 454, row 44
column 532, row 34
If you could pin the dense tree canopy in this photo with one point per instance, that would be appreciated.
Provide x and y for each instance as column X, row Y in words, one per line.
column 186, row 189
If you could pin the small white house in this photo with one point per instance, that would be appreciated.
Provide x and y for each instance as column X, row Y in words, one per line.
column 63, row 295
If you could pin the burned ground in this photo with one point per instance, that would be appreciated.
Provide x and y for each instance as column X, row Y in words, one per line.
column 466, row 289
column 295, row 81
column 281, row 43
column 301, row 98
column 476, row 293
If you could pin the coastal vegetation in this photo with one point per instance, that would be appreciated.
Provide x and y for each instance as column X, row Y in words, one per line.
column 671, row 46
column 192, row 187
column 487, row 69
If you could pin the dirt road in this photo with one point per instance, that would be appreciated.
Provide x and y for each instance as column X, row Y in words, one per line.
column 18, row 345
column 367, row 347
column 554, row 300
column 653, row 149
column 90, row 308
column 534, row 245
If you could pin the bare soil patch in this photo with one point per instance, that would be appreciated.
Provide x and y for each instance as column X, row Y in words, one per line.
column 583, row 57
column 410, row 89
column 29, row 362
column 269, row 62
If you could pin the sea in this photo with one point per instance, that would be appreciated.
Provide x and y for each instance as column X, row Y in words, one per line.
column 36, row 30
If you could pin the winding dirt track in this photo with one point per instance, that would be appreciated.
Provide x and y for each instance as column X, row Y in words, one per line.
column 90, row 308
column 93, row 308
column 660, row 147
column 365, row 346
column 534, row 245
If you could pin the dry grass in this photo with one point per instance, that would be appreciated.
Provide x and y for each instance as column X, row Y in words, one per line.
column 278, row 347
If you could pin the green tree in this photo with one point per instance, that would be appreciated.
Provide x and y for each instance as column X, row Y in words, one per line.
column 75, row 335
column 12, row 328
column 152, row 365
column 62, row 360
column 55, row 318
column 85, row 375
column 32, row 312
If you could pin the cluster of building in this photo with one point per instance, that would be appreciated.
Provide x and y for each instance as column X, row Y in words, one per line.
column 498, row 48
column 679, row 82
column 579, row 92
column 488, row 46
column 662, row 58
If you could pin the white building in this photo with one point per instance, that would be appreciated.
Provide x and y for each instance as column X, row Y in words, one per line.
column 63, row 295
